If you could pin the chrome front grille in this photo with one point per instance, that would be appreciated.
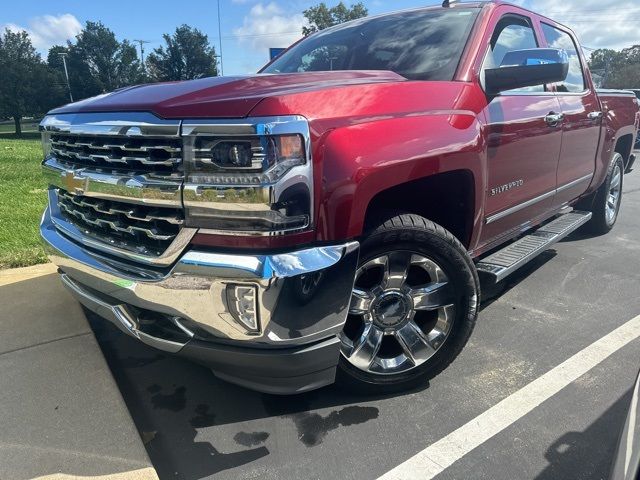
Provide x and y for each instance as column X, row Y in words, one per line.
column 158, row 155
column 116, row 184
column 139, row 229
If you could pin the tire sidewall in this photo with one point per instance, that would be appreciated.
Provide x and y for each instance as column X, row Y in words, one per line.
column 458, row 267
column 618, row 162
column 599, row 225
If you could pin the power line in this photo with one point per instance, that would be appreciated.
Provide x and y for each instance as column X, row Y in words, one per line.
column 594, row 11
column 262, row 34
column 592, row 22
column 142, row 42
column 236, row 35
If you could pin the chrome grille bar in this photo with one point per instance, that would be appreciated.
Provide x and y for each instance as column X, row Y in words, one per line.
column 140, row 230
column 145, row 189
column 118, row 227
column 130, row 213
column 85, row 211
column 119, row 151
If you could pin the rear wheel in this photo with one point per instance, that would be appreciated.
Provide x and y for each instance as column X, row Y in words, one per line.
column 608, row 198
column 413, row 307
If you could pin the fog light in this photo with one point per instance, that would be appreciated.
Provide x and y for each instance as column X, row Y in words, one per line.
column 243, row 304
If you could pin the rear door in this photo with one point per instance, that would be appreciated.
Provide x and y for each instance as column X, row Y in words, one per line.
column 582, row 119
column 523, row 147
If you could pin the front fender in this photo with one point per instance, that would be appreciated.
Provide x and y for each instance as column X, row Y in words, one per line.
column 360, row 161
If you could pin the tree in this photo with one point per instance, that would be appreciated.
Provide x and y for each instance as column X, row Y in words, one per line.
column 321, row 16
column 128, row 67
column 187, row 55
column 111, row 64
column 627, row 76
column 97, row 62
column 27, row 86
column 618, row 69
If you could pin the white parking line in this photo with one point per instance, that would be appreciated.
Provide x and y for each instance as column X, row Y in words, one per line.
column 438, row 456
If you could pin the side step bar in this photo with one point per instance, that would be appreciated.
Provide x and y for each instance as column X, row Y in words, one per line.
column 504, row 262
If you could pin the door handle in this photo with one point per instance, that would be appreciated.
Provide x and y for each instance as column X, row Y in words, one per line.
column 554, row 119
column 595, row 116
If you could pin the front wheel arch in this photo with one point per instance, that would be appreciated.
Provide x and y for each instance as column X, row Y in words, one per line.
column 447, row 199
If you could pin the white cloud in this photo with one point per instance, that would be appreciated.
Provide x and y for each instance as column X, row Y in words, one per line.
column 268, row 25
column 49, row 30
column 598, row 23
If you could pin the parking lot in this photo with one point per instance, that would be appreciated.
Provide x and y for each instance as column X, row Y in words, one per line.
column 196, row 426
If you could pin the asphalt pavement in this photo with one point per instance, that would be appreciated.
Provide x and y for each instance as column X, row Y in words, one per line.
column 196, row 426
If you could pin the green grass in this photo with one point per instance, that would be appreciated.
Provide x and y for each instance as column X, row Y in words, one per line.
column 22, row 201
column 35, row 135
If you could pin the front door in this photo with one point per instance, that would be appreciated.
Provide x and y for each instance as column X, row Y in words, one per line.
column 523, row 141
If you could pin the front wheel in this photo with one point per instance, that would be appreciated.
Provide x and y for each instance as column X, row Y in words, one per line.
column 413, row 307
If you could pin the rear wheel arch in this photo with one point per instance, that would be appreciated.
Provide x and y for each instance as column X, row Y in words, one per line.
column 624, row 146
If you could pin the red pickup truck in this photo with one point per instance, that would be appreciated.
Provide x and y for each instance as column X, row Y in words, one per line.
column 329, row 218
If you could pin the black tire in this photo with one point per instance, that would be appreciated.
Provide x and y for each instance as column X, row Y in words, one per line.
column 600, row 222
column 400, row 231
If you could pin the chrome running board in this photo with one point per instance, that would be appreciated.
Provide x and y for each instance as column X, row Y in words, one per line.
column 504, row 262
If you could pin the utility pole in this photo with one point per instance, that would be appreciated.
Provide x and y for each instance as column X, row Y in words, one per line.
column 220, row 40
column 66, row 73
column 142, row 42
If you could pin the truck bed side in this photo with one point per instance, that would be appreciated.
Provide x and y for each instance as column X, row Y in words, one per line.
column 620, row 127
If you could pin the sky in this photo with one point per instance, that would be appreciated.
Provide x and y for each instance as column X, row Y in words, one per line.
column 250, row 27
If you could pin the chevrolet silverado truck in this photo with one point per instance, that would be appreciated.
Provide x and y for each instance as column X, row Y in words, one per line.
column 328, row 219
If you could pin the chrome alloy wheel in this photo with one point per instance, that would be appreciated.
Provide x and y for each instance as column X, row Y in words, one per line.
column 402, row 309
column 613, row 197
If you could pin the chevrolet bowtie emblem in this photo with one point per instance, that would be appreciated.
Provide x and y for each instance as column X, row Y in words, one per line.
column 74, row 183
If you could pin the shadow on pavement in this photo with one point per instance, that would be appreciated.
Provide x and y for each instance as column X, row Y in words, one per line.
column 171, row 398
column 566, row 456
column 492, row 292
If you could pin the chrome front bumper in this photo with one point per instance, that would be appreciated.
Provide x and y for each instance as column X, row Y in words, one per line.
column 302, row 297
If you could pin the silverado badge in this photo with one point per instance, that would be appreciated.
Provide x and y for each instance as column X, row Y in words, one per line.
column 506, row 187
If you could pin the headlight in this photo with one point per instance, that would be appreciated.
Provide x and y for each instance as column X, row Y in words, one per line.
column 243, row 161
column 248, row 177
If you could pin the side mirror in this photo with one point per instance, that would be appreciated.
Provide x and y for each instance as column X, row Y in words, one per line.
column 527, row 68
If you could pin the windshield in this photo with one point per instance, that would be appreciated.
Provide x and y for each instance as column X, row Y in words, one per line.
column 419, row 45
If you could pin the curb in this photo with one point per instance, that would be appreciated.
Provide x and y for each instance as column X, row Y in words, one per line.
column 13, row 275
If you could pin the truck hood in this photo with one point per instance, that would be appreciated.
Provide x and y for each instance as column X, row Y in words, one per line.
column 221, row 97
